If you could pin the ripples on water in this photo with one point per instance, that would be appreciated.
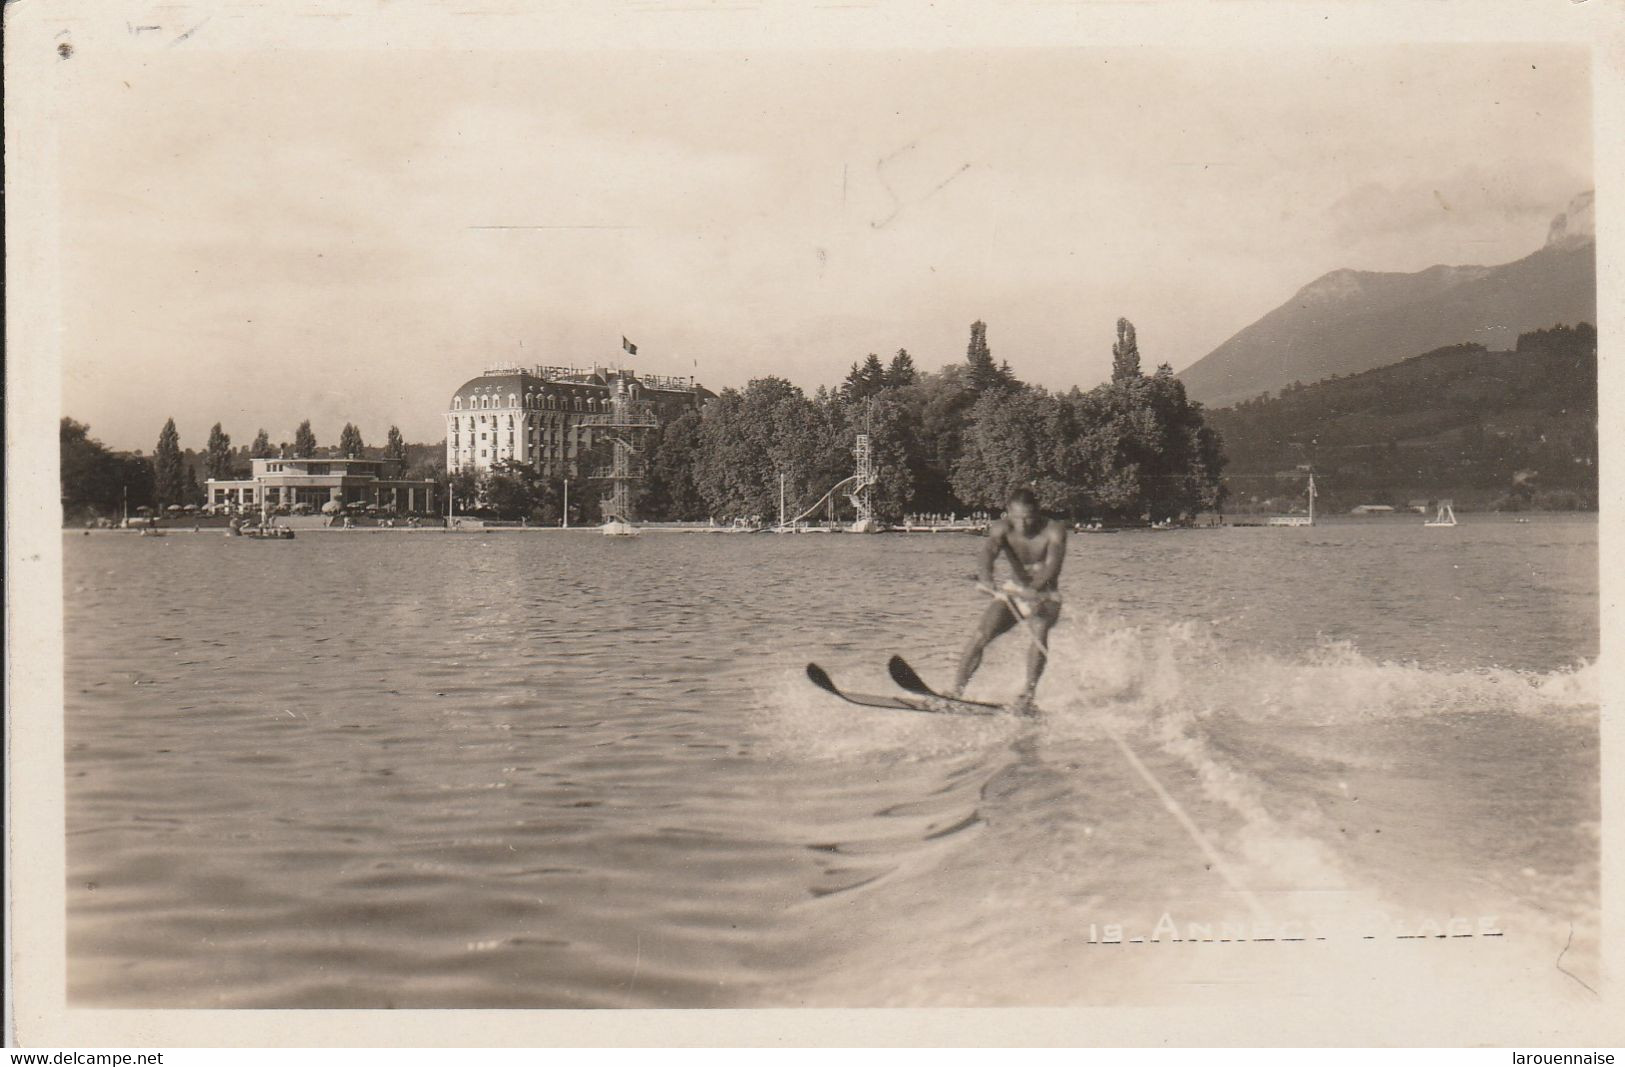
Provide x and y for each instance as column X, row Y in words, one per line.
column 550, row 769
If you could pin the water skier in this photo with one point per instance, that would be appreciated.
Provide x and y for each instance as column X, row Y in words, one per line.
column 1036, row 549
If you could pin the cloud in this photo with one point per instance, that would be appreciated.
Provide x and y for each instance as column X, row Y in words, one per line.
column 1469, row 204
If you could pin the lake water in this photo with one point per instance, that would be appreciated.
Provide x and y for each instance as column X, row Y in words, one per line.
column 552, row 769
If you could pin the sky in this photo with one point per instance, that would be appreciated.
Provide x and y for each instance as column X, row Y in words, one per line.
column 257, row 238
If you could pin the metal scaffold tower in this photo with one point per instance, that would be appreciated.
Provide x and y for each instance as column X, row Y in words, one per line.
column 863, row 482
column 626, row 425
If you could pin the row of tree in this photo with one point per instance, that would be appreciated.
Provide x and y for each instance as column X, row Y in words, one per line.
column 951, row 441
column 97, row 481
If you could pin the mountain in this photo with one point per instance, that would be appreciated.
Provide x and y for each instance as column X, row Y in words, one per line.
column 1350, row 321
column 1489, row 429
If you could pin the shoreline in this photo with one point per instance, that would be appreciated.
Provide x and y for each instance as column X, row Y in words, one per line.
column 1238, row 522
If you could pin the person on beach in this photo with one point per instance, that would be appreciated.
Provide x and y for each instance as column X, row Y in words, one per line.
column 1036, row 548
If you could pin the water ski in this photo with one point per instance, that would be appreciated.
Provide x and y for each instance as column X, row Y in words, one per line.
column 927, row 701
column 908, row 678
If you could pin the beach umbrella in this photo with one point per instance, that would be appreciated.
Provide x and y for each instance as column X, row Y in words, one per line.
column 173, row 507
column 332, row 507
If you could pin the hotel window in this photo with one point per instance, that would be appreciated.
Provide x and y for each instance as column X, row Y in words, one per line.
column 457, row 404
column 513, row 401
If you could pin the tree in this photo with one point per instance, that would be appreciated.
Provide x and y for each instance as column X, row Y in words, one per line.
column 669, row 491
column 1020, row 440
column 1128, row 449
column 304, row 441
column 218, row 460
column 350, row 443
column 168, row 465
column 887, row 423
column 1125, row 353
column 83, row 464
column 464, row 487
column 865, row 380
column 1211, row 460
column 901, row 373
column 96, row 481
column 395, row 447
column 935, row 409
column 92, row 477
column 514, row 490
column 748, row 439
column 426, row 462
column 191, row 492
column 982, row 374
column 261, row 448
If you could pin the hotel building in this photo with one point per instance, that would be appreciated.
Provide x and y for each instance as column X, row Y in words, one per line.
column 546, row 417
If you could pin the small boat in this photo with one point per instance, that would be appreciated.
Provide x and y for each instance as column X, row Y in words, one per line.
column 619, row 528
column 1445, row 517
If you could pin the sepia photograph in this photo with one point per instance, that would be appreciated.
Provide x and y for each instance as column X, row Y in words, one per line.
column 1095, row 521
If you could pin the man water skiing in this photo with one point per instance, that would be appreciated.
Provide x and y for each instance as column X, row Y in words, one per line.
column 1036, row 548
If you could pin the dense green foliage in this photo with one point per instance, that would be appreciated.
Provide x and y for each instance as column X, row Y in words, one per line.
column 96, row 482
column 517, row 492
column 949, row 442
column 1136, row 447
column 1486, row 429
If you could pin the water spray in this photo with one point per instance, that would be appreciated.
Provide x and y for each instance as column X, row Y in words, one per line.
column 1008, row 596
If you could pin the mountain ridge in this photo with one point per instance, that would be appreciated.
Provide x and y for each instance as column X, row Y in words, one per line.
column 1347, row 321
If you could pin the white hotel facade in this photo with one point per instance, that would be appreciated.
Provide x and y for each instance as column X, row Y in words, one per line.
column 542, row 416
